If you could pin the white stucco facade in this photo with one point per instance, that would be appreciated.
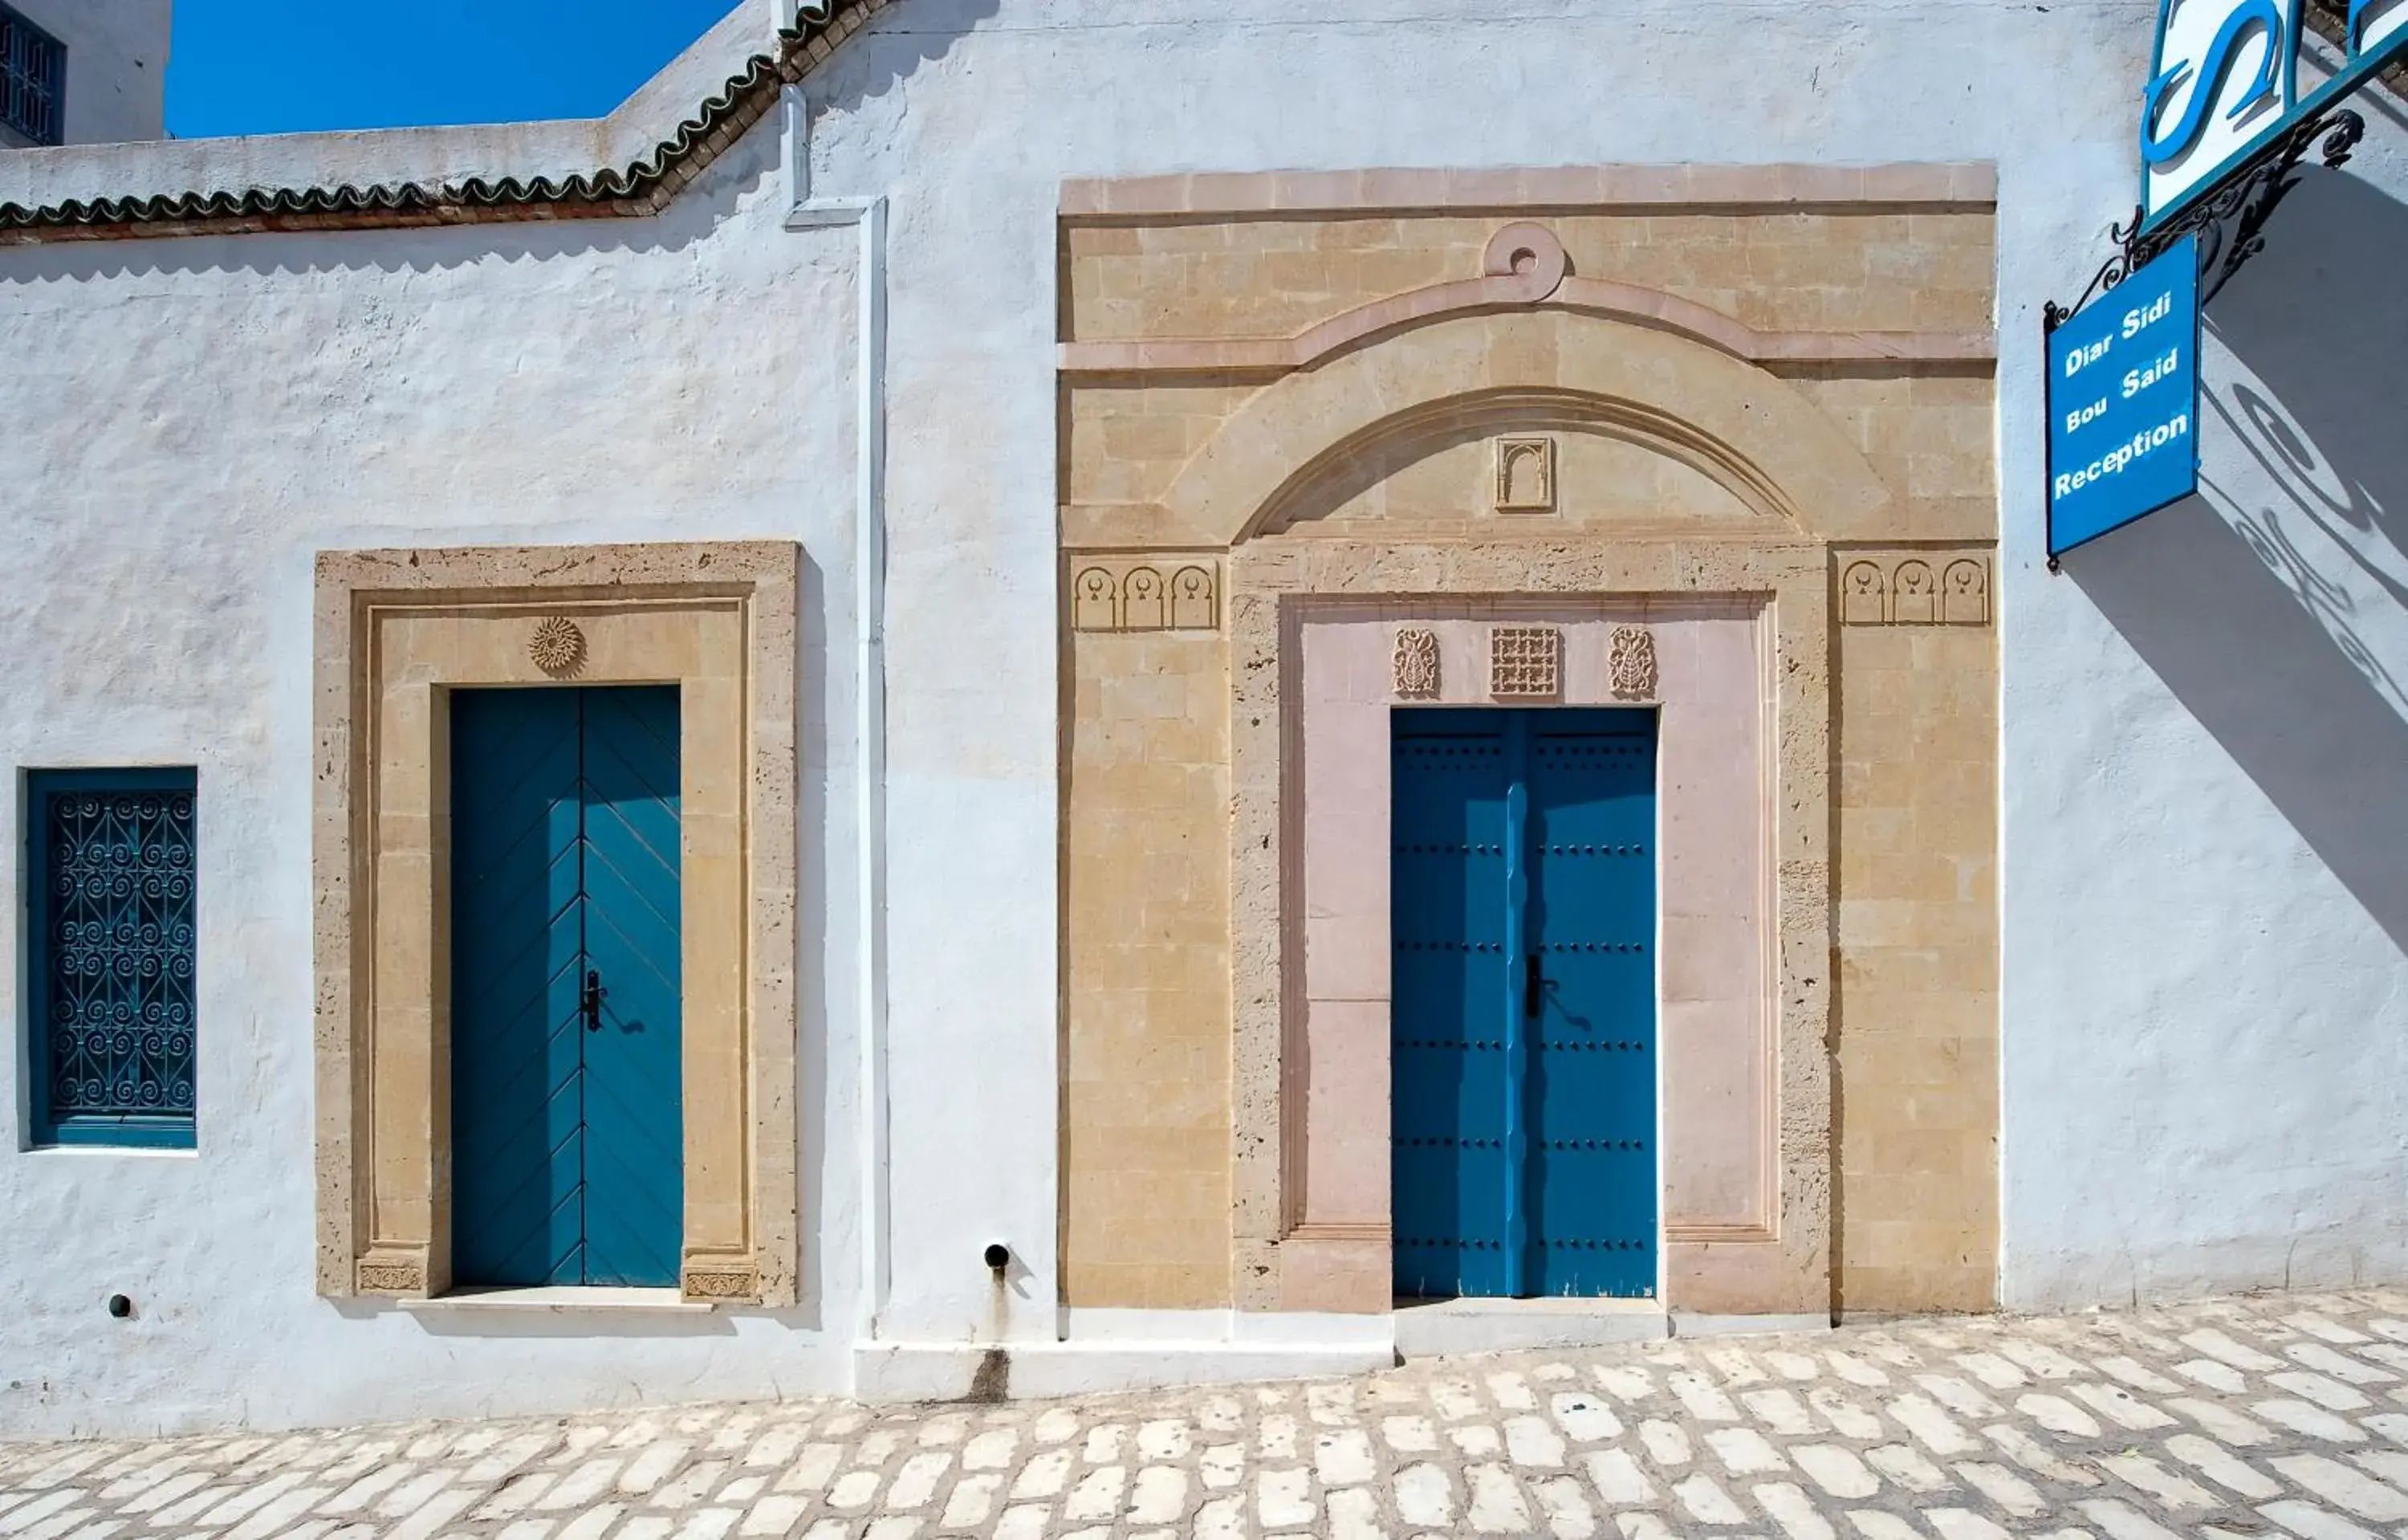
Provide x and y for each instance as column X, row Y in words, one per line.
column 117, row 65
column 2204, row 979
column 2206, row 940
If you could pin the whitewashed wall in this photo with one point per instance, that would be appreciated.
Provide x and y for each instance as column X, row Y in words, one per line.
column 197, row 417
column 969, row 112
column 187, row 423
column 117, row 65
column 2206, row 1082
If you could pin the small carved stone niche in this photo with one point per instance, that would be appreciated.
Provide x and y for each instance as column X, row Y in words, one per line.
column 1417, row 666
column 1864, row 595
column 1525, row 663
column 1630, row 663
column 1965, row 594
column 1913, row 595
column 1526, row 475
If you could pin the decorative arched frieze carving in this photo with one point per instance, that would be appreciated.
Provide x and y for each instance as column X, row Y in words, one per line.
column 1165, row 593
column 1913, row 588
column 1742, row 427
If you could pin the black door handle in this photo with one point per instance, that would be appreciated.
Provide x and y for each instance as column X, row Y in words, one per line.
column 1534, row 986
column 591, row 1003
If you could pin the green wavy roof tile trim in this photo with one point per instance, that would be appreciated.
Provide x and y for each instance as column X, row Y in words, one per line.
column 633, row 191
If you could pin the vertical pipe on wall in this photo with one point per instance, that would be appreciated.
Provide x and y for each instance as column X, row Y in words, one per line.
column 867, row 215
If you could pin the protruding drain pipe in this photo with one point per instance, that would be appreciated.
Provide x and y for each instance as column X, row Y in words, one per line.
column 992, row 1382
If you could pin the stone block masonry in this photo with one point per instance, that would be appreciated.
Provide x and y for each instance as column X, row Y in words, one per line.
column 1762, row 391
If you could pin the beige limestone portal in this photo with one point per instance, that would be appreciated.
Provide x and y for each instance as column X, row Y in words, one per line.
column 1764, row 387
column 396, row 631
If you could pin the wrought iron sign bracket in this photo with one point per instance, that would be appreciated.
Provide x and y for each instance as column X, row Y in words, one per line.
column 2229, row 221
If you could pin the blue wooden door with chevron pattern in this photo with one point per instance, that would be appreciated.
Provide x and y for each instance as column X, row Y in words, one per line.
column 1523, row 1017
column 567, row 1112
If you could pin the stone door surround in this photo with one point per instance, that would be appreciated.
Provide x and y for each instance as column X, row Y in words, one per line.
column 396, row 632
column 1738, row 634
column 1704, row 665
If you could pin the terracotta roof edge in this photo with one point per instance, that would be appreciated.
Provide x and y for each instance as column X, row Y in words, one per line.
column 615, row 167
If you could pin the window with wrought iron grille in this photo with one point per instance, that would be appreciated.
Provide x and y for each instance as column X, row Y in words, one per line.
column 109, row 881
column 32, row 80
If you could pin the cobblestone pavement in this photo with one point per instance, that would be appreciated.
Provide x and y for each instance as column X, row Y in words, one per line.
column 2273, row 1417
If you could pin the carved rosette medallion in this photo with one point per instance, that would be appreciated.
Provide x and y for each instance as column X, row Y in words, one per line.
column 1525, row 663
column 557, row 647
column 1417, row 675
column 1630, row 663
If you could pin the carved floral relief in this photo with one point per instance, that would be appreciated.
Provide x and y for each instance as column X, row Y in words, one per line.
column 1417, row 665
column 1630, row 663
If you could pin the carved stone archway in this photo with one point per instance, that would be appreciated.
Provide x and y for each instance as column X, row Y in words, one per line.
column 1251, row 401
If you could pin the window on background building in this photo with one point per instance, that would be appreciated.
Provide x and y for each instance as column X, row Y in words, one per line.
column 109, row 881
column 33, row 80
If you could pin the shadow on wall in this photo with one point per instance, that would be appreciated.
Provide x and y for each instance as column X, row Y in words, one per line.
column 2274, row 605
column 899, row 42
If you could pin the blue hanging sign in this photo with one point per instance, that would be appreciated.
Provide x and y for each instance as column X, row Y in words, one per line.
column 2224, row 84
column 2122, row 402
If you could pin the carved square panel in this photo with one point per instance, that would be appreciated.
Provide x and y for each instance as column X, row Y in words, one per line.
column 1525, row 663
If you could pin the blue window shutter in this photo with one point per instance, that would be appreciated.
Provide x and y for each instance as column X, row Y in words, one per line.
column 112, row 962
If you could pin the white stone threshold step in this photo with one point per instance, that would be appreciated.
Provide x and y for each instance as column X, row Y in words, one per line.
column 1446, row 1328
column 560, row 1301
column 1105, row 1351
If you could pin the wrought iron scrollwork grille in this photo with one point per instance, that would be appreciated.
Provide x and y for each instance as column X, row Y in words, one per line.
column 114, row 955
column 2231, row 222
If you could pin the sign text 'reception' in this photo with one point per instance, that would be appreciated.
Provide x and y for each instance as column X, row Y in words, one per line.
column 2122, row 402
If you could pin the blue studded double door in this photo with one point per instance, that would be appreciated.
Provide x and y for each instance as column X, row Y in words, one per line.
column 1523, row 1024
column 567, row 1124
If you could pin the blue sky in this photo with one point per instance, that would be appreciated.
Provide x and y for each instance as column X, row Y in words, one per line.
column 274, row 67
